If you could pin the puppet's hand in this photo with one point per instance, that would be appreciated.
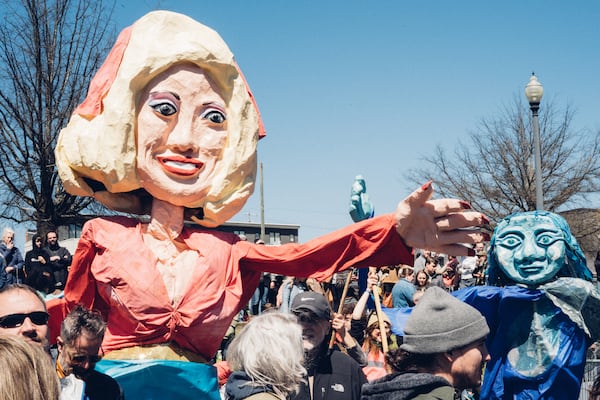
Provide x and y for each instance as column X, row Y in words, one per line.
column 443, row 225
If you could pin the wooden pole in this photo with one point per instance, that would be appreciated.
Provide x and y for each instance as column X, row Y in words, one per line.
column 382, row 330
column 341, row 305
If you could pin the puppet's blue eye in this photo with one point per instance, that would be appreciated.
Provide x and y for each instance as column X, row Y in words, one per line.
column 214, row 116
column 164, row 108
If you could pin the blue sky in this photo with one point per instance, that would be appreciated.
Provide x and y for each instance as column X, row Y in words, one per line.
column 357, row 87
column 368, row 87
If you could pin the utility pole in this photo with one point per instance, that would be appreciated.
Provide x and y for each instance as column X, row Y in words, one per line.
column 262, row 206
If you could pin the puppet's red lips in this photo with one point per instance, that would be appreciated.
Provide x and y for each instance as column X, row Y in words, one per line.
column 180, row 165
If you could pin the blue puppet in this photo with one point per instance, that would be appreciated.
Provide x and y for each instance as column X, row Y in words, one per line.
column 542, row 310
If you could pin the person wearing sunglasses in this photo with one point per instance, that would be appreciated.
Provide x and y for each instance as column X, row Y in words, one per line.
column 23, row 313
column 79, row 350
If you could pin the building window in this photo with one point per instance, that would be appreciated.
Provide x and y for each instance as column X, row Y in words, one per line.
column 74, row 231
column 274, row 238
column 241, row 234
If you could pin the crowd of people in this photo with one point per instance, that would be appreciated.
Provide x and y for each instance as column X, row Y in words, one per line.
column 307, row 350
column 45, row 267
column 351, row 339
column 341, row 351
column 345, row 355
column 448, row 272
column 291, row 343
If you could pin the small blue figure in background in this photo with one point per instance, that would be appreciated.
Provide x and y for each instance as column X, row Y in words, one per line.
column 542, row 309
column 360, row 205
column 361, row 208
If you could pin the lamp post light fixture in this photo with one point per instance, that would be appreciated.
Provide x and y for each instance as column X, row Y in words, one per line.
column 534, row 91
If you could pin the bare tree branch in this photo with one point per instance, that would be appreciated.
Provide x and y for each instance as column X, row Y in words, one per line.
column 495, row 169
column 49, row 50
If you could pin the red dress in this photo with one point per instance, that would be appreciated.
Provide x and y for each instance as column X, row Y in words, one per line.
column 115, row 272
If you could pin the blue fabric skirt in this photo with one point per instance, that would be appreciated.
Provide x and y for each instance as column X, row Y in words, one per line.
column 163, row 379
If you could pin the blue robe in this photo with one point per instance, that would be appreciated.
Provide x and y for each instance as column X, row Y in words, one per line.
column 538, row 337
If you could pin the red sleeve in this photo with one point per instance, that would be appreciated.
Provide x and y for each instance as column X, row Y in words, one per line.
column 370, row 243
column 57, row 310
column 80, row 287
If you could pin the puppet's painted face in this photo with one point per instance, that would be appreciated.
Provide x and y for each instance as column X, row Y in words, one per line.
column 181, row 134
column 530, row 249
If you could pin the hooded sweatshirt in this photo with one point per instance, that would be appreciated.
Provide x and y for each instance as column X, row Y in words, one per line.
column 39, row 275
column 409, row 385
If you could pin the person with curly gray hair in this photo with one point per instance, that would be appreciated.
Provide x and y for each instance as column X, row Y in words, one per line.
column 266, row 358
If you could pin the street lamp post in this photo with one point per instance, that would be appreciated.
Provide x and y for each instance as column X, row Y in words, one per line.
column 534, row 91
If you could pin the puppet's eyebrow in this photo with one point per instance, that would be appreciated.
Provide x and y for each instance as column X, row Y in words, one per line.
column 154, row 94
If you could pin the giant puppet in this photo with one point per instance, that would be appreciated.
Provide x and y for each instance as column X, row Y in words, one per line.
column 542, row 309
column 169, row 130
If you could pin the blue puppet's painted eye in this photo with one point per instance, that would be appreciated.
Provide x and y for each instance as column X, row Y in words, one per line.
column 510, row 241
column 547, row 238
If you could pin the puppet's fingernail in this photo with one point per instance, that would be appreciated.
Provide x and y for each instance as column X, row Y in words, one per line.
column 485, row 219
column 464, row 205
column 426, row 186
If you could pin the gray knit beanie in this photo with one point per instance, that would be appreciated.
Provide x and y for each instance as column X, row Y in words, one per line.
column 440, row 322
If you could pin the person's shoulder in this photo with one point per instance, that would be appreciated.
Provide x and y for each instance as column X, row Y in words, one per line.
column 262, row 396
column 439, row 393
column 338, row 358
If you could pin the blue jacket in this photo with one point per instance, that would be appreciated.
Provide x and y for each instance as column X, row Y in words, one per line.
column 13, row 258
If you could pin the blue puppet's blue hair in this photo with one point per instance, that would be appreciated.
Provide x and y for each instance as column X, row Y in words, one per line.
column 575, row 265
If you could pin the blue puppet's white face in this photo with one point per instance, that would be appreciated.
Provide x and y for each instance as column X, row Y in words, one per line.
column 530, row 249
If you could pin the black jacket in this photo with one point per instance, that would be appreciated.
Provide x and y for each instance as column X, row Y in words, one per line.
column 38, row 274
column 99, row 386
column 336, row 377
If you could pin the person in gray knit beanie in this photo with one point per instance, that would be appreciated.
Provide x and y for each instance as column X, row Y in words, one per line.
column 441, row 322
column 443, row 352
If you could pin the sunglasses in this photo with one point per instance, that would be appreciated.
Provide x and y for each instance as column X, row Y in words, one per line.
column 307, row 317
column 81, row 359
column 16, row 320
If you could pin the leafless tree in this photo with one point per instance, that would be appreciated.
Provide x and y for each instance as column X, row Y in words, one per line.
column 49, row 50
column 495, row 169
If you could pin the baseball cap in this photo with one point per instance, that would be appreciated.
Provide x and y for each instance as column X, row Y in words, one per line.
column 312, row 301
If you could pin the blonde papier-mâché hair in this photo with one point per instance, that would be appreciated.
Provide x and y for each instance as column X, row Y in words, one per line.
column 98, row 146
